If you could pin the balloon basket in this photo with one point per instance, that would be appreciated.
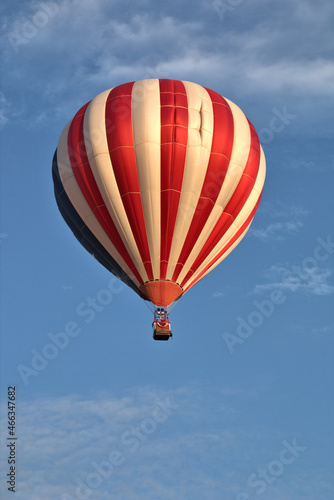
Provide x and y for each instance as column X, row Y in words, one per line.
column 161, row 333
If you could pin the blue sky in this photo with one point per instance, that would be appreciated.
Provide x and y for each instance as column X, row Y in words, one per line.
column 239, row 405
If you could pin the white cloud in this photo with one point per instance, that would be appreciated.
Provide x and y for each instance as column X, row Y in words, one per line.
column 317, row 165
column 285, row 220
column 311, row 280
column 277, row 230
column 60, row 438
column 323, row 331
column 65, row 442
column 4, row 105
column 278, row 210
column 8, row 113
column 300, row 77
column 97, row 45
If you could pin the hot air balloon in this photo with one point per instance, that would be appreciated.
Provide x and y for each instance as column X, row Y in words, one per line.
column 159, row 180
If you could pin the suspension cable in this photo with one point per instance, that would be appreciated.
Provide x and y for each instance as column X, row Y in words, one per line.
column 169, row 308
column 150, row 306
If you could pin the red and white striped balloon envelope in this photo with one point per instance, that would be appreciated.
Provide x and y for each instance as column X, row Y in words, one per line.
column 159, row 180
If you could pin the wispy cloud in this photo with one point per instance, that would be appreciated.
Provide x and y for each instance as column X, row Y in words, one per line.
column 277, row 230
column 8, row 112
column 317, row 165
column 285, row 220
column 64, row 440
column 310, row 77
column 60, row 439
column 98, row 46
column 124, row 447
column 278, row 210
column 312, row 280
column 4, row 106
column 323, row 331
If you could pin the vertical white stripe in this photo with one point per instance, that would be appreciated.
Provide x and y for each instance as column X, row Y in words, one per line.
column 239, row 156
column 232, row 247
column 147, row 139
column 80, row 204
column 239, row 221
column 99, row 159
column 200, row 133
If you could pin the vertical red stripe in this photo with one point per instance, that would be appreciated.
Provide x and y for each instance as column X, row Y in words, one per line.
column 227, row 246
column 221, row 149
column 234, row 206
column 123, row 159
column 87, row 184
column 174, row 135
